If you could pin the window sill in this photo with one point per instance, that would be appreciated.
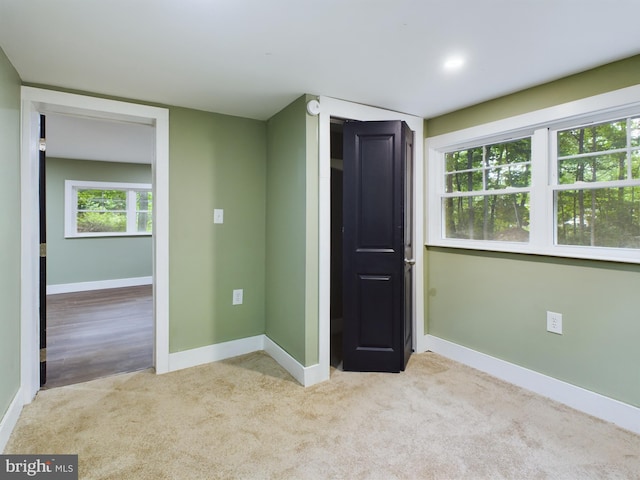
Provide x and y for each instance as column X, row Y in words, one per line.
column 108, row 235
column 617, row 255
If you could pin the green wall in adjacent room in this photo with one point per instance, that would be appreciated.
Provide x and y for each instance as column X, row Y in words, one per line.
column 292, row 271
column 73, row 260
column 9, row 233
column 496, row 303
column 216, row 162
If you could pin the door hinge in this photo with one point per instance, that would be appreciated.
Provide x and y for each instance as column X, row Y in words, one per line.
column 43, row 355
column 43, row 145
column 43, row 250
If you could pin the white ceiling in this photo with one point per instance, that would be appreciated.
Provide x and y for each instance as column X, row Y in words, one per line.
column 252, row 57
column 83, row 138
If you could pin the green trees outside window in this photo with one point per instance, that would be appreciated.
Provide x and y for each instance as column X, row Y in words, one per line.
column 107, row 209
column 558, row 181
column 602, row 162
column 103, row 211
column 487, row 192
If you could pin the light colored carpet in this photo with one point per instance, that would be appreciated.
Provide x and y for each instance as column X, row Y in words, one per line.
column 246, row 418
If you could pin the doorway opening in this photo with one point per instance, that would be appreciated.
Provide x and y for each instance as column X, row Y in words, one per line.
column 337, row 162
column 98, row 211
column 333, row 111
column 39, row 101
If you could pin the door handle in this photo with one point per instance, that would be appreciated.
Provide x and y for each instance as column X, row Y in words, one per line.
column 410, row 261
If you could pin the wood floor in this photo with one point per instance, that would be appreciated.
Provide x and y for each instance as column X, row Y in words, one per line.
column 98, row 333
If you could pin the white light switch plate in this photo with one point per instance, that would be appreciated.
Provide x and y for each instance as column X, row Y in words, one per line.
column 218, row 215
column 237, row 297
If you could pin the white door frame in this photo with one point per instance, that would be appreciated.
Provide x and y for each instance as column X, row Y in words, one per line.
column 34, row 102
column 331, row 107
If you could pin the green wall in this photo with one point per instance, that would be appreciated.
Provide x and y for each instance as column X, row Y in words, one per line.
column 496, row 303
column 292, row 205
column 312, row 300
column 613, row 76
column 9, row 233
column 72, row 260
column 216, row 161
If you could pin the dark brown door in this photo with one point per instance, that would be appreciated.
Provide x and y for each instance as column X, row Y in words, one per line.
column 377, row 235
column 43, row 254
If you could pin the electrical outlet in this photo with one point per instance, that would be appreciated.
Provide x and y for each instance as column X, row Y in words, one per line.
column 554, row 322
column 218, row 215
column 237, row 297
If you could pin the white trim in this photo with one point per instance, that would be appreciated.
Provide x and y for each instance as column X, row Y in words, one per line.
column 595, row 404
column 10, row 419
column 29, row 295
column 331, row 107
column 215, row 352
column 285, row 360
column 34, row 102
column 306, row 376
column 98, row 285
column 312, row 374
column 160, row 172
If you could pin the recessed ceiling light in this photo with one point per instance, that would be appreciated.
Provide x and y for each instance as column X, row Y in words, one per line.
column 454, row 63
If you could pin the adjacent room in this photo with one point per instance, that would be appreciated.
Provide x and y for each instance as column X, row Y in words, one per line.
column 99, row 307
column 321, row 239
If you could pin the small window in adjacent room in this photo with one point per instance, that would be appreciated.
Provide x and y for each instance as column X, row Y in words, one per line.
column 96, row 209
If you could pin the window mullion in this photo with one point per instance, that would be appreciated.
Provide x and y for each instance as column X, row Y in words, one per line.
column 131, row 211
column 541, row 229
column 629, row 152
column 73, row 211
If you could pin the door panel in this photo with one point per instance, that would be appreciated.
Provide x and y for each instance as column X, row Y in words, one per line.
column 374, row 199
column 377, row 333
column 374, row 294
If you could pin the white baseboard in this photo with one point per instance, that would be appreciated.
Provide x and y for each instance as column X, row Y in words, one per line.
column 98, row 285
column 595, row 404
column 8, row 422
column 315, row 374
column 215, row 352
column 306, row 376
column 198, row 356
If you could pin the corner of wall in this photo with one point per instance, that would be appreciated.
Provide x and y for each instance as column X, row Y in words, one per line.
column 10, row 419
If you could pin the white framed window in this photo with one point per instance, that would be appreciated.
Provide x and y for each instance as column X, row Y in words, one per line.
column 105, row 209
column 562, row 181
